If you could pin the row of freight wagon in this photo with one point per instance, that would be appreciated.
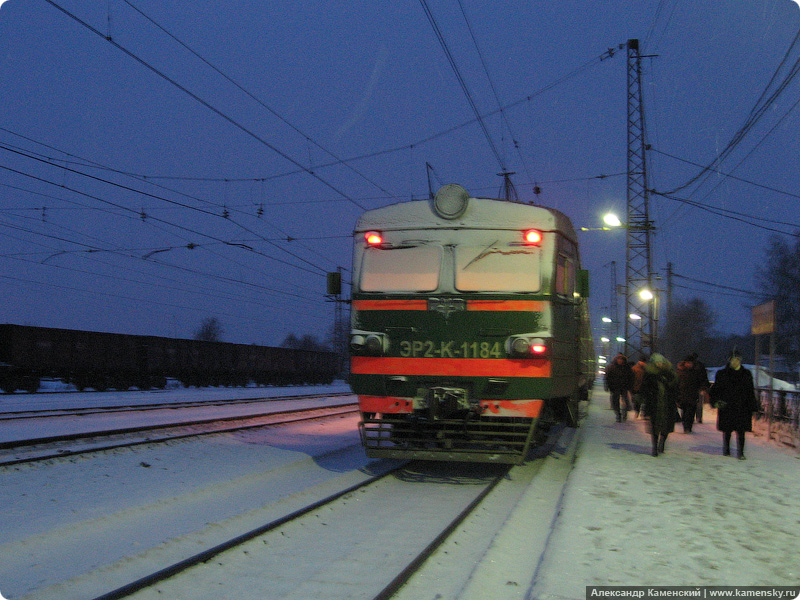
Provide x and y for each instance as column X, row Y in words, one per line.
column 100, row 361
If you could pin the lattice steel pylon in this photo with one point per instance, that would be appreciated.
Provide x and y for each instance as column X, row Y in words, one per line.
column 641, row 332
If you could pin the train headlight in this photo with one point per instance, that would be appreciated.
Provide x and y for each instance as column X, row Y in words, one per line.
column 451, row 201
column 374, row 345
column 357, row 342
column 520, row 346
column 523, row 346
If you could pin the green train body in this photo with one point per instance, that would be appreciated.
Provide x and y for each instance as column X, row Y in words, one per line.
column 469, row 327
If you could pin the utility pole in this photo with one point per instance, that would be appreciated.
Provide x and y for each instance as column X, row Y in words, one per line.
column 641, row 316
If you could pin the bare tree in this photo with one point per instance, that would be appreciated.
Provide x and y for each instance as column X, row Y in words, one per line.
column 689, row 328
column 779, row 280
column 307, row 342
column 210, row 330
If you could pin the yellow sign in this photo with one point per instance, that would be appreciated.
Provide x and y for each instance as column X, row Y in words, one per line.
column 763, row 318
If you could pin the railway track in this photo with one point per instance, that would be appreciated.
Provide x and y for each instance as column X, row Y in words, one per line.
column 366, row 542
column 11, row 415
column 59, row 446
column 302, row 533
column 290, row 517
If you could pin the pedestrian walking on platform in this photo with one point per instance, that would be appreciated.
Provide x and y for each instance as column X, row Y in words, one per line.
column 619, row 381
column 734, row 396
column 692, row 380
column 660, row 391
column 638, row 377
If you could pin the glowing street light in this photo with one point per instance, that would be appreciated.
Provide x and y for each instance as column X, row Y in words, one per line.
column 612, row 220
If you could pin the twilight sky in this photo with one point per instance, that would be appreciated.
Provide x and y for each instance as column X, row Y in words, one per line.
column 165, row 162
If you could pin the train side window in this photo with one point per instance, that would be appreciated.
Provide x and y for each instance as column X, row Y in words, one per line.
column 406, row 269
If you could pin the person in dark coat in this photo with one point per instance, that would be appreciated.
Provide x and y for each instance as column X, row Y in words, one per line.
column 660, row 392
column 692, row 380
column 638, row 377
column 619, row 381
column 734, row 396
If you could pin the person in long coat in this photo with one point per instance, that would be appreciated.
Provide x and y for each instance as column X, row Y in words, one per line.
column 660, row 392
column 619, row 381
column 692, row 380
column 733, row 394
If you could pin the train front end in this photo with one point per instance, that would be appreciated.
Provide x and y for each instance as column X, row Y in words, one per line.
column 464, row 331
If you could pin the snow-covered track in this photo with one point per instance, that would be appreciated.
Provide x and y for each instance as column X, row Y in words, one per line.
column 45, row 448
column 206, row 555
column 411, row 510
column 84, row 410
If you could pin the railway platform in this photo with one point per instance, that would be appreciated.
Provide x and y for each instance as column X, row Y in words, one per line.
column 689, row 517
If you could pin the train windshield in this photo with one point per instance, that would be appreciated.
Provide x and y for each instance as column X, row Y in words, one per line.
column 404, row 269
column 498, row 268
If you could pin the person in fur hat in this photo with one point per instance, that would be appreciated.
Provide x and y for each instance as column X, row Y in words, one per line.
column 660, row 391
column 734, row 396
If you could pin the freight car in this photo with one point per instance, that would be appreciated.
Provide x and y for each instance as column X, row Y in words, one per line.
column 100, row 361
column 470, row 327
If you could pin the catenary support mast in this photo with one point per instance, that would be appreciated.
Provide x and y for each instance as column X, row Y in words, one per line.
column 641, row 314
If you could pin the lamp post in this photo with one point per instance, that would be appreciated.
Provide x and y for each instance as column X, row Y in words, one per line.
column 641, row 303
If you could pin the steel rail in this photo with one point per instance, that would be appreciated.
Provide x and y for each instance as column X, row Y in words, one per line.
column 205, row 555
column 420, row 559
column 75, row 411
column 73, row 437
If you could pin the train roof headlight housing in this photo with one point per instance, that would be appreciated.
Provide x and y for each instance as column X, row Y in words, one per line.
column 451, row 201
column 532, row 237
column 373, row 238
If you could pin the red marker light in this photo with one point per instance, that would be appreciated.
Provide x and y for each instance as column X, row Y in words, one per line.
column 533, row 237
column 373, row 238
column 538, row 349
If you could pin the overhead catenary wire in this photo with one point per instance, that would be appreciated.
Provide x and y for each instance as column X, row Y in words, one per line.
column 206, row 104
column 462, row 82
column 206, row 212
column 258, row 100
column 759, row 109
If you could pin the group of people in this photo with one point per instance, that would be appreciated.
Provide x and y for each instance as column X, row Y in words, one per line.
column 665, row 396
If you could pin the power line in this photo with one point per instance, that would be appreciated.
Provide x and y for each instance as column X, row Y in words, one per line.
column 174, row 202
column 748, row 293
column 727, row 175
column 464, row 88
column 258, row 100
column 733, row 215
column 205, row 103
column 761, row 106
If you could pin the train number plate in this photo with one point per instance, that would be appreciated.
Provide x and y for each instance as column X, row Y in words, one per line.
column 451, row 349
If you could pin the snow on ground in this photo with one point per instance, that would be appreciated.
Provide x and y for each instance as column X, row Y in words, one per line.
column 24, row 429
column 687, row 517
column 47, row 398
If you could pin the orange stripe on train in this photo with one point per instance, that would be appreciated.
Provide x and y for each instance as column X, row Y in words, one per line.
column 477, row 305
column 492, row 408
column 466, row 367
